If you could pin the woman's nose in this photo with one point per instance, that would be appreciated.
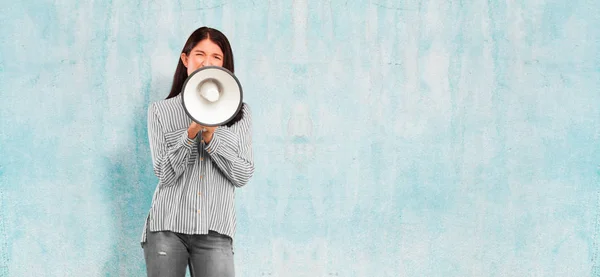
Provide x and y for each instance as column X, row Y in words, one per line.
column 206, row 62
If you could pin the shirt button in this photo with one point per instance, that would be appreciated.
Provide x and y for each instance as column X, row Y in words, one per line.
column 200, row 176
column 199, row 193
column 202, row 159
column 198, row 211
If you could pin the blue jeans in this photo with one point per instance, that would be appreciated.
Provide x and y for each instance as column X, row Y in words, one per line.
column 168, row 254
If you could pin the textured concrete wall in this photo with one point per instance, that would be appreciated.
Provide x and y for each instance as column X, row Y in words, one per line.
column 392, row 138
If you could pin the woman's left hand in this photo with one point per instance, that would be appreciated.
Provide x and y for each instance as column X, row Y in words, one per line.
column 207, row 133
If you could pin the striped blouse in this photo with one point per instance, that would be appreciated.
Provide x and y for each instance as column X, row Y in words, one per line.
column 196, row 181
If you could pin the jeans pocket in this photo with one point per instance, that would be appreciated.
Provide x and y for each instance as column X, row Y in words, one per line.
column 222, row 242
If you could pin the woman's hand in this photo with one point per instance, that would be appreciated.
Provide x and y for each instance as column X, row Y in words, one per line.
column 207, row 132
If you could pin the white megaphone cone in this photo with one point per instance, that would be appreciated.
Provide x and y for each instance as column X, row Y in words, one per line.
column 212, row 96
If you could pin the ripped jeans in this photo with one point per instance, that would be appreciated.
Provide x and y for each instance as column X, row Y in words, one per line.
column 168, row 254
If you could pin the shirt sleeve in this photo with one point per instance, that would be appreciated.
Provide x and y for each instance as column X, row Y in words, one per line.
column 169, row 160
column 231, row 149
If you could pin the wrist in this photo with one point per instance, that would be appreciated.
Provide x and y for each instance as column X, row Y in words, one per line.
column 192, row 134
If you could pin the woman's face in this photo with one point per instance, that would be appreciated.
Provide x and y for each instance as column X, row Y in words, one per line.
column 205, row 53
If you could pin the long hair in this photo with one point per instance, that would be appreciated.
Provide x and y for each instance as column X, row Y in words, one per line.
column 198, row 35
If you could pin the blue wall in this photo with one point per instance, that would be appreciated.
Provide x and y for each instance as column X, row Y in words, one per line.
column 413, row 138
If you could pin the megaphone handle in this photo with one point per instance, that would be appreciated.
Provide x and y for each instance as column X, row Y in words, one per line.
column 201, row 144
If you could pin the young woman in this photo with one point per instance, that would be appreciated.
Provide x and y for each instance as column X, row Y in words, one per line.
column 192, row 219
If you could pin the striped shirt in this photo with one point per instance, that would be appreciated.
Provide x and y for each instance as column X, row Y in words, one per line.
column 196, row 181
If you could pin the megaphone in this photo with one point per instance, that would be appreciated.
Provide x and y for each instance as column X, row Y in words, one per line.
column 212, row 96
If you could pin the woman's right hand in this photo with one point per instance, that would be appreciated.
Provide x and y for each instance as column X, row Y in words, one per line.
column 194, row 129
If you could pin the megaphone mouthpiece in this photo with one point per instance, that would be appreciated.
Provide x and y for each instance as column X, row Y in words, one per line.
column 209, row 90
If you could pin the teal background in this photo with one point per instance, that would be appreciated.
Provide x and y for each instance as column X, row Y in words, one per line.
column 391, row 138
